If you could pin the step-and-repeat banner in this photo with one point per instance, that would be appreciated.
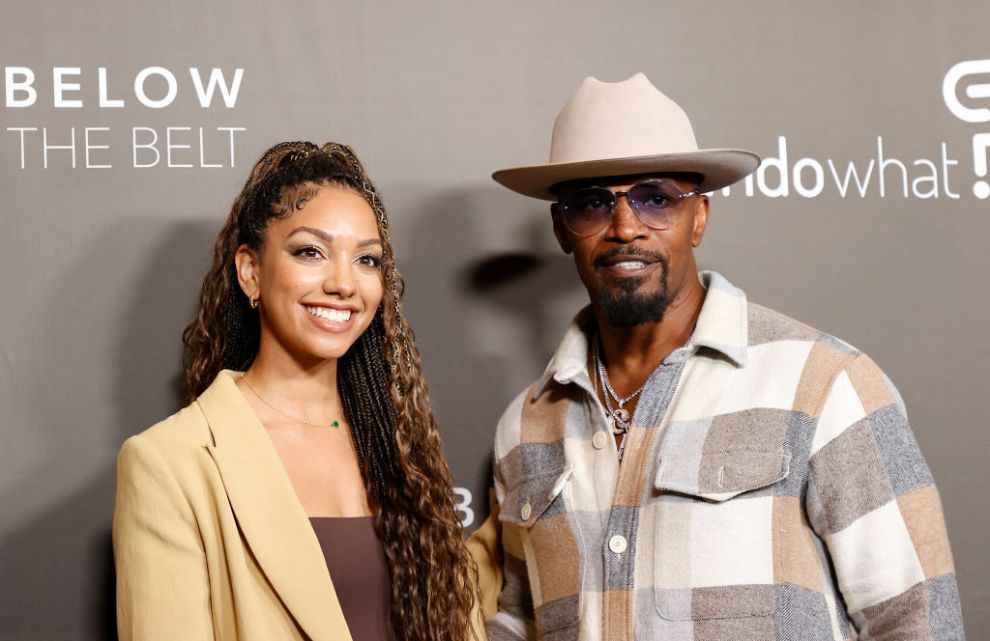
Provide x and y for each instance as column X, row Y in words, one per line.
column 126, row 129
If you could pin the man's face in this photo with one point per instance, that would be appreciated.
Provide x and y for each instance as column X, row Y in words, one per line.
column 632, row 271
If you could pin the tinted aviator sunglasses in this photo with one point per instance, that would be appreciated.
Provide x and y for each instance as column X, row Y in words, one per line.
column 588, row 210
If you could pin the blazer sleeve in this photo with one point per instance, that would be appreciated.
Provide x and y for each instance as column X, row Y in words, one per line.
column 484, row 547
column 162, row 580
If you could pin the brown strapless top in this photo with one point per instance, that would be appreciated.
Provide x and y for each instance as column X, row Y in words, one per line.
column 359, row 573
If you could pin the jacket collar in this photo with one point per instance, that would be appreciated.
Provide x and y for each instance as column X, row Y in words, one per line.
column 722, row 326
column 268, row 511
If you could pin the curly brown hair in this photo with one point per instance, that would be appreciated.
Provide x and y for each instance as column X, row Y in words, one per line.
column 381, row 385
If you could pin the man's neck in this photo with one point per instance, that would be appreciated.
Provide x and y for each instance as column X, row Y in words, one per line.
column 632, row 353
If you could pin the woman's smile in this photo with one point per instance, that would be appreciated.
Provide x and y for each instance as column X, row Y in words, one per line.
column 331, row 319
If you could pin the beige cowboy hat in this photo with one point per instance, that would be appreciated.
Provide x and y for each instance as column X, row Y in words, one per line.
column 625, row 128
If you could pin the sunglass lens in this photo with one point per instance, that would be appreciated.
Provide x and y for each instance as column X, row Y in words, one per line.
column 655, row 202
column 586, row 211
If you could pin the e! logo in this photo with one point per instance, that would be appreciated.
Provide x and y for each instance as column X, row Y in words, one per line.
column 962, row 73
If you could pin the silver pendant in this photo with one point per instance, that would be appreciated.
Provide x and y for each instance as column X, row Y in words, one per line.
column 618, row 426
column 622, row 415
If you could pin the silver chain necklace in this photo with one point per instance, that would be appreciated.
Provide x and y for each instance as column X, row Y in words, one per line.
column 334, row 424
column 619, row 416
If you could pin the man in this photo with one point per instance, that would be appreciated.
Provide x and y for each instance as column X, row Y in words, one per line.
column 693, row 466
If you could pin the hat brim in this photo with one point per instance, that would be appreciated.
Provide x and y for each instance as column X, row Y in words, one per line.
column 719, row 167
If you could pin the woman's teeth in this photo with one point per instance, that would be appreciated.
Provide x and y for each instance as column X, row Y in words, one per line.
column 337, row 315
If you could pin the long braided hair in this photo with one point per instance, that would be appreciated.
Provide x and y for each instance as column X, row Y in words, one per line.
column 381, row 386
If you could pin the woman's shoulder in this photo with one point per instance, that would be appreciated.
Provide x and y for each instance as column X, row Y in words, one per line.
column 170, row 439
column 173, row 439
column 187, row 426
column 165, row 470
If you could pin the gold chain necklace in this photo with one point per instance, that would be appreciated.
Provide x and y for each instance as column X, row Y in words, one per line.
column 335, row 424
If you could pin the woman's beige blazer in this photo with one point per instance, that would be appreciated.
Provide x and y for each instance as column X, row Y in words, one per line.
column 209, row 538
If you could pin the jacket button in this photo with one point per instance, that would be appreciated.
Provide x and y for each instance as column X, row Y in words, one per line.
column 599, row 440
column 617, row 544
column 526, row 511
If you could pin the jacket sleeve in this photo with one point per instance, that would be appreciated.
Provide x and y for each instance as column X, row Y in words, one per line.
column 873, row 501
column 162, row 580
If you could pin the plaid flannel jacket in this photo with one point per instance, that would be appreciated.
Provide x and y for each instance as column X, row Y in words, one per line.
column 770, row 489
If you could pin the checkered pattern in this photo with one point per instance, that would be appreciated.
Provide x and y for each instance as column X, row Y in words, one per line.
column 770, row 489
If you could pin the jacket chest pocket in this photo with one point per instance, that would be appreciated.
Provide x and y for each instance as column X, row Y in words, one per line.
column 715, row 532
column 536, row 507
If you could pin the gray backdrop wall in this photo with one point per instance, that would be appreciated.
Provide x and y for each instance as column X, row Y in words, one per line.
column 118, row 163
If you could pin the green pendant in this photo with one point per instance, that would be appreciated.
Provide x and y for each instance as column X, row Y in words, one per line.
column 335, row 425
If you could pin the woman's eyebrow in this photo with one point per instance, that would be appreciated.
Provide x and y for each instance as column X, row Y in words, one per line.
column 328, row 238
column 319, row 233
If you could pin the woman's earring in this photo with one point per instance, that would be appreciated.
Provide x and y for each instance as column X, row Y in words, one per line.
column 253, row 302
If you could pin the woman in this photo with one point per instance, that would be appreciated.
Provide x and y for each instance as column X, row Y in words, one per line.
column 307, row 498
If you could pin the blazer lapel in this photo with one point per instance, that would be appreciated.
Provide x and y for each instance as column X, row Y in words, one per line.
column 269, row 513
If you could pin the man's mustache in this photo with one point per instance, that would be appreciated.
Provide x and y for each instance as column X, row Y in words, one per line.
column 646, row 255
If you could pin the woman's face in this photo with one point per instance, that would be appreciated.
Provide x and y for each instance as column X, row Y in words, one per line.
column 319, row 278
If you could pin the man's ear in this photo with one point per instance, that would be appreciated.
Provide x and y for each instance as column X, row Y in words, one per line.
column 247, row 262
column 700, row 221
column 559, row 231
